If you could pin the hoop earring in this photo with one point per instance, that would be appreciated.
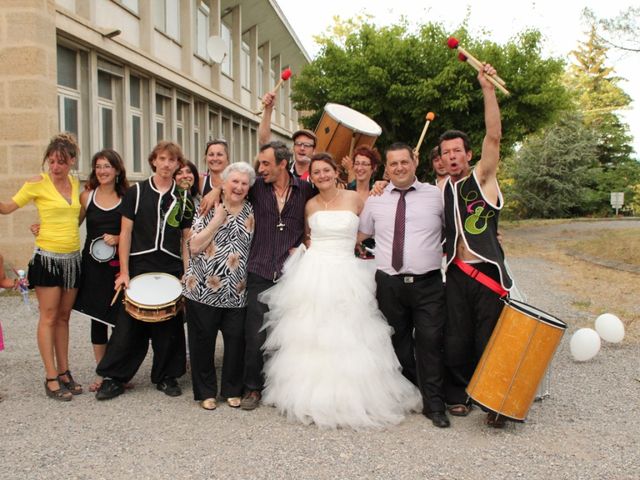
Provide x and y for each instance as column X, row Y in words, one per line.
column 117, row 179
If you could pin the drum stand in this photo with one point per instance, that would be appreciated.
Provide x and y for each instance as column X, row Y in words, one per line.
column 544, row 387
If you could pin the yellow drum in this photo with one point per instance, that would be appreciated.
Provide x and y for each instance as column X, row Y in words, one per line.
column 515, row 360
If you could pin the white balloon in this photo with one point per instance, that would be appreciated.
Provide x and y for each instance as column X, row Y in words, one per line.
column 610, row 328
column 585, row 344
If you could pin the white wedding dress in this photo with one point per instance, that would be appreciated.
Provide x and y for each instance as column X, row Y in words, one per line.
column 329, row 355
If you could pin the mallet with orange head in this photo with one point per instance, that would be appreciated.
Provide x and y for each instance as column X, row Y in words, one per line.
column 430, row 116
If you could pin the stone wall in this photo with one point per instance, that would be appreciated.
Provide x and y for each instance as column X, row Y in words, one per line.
column 28, row 111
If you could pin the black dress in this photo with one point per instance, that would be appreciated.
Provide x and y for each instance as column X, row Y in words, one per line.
column 97, row 278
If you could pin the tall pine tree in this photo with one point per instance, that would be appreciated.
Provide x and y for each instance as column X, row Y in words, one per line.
column 599, row 97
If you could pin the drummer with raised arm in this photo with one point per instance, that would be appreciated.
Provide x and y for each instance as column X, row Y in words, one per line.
column 304, row 141
column 155, row 225
column 476, row 275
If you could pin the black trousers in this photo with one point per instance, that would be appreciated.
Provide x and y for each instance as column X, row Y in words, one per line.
column 472, row 313
column 203, row 323
column 253, row 334
column 129, row 344
column 416, row 311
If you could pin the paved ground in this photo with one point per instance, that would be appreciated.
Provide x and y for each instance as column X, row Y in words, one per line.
column 589, row 428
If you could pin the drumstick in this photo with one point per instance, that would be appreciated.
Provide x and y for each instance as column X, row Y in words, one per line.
column 430, row 116
column 284, row 76
column 465, row 56
column 116, row 295
column 478, row 67
column 452, row 42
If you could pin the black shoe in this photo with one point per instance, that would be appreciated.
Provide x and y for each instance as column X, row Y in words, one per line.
column 250, row 401
column 109, row 389
column 170, row 387
column 439, row 419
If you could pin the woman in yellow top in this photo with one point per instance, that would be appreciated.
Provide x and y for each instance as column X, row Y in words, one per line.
column 54, row 269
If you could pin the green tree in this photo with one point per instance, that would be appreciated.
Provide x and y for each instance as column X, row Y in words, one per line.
column 599, row 97
column 395, row 77
column 552, row 174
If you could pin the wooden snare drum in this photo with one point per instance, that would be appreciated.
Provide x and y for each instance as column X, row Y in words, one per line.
column 515, row 360
column 153, row 297
column 342, row 129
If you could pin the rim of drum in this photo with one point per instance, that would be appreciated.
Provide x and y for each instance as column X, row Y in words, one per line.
column 96, row 258
column 334, row 109
column 532, row 312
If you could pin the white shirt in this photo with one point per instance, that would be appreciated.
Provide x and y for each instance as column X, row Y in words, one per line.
column 424, row 219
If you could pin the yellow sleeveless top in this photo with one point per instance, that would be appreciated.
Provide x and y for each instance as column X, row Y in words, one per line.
column 59, row 230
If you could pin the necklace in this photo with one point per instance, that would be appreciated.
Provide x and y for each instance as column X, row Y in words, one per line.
column 281, row 198
column 326, row 204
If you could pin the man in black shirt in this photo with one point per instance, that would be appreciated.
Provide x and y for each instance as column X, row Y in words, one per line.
column 155, row 224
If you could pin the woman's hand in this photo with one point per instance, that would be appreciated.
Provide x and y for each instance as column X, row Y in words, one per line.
column 111, row 240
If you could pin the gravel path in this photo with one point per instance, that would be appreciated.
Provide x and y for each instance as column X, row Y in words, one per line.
column 588, row 429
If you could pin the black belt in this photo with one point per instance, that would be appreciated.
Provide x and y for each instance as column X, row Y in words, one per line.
column 412, row 278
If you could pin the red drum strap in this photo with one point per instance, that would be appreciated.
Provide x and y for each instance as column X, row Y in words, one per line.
column 476, row 274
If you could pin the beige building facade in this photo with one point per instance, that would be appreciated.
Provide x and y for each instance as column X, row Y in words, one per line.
column 125, row 74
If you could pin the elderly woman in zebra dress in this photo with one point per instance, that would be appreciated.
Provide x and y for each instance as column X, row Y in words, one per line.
column 215, row 288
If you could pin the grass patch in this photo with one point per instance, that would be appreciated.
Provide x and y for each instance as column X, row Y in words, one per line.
column 617, row 246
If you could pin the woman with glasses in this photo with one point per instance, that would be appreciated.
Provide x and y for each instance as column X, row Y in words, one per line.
column 362, row 169
column 106, row 186
column 216, row 156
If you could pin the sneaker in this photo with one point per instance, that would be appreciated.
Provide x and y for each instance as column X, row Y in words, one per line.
column 170, row 387
column 250, row 401
column 109, row 389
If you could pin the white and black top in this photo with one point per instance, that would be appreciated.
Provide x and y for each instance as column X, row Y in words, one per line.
column 158, row 221
column 218, row 276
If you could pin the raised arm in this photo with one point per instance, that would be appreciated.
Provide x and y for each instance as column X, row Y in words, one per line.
column 488, row 165
column 264, row 130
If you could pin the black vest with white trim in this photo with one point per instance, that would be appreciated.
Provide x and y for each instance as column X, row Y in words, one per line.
column 469, row 216
column 156, row 228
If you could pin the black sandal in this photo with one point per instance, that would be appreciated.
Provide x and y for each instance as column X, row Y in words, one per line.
column 71, row 385
column 61, row 394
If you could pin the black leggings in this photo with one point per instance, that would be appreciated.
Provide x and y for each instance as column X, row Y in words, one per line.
column 99, row 333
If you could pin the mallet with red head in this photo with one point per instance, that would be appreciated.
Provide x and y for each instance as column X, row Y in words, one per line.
column 465, row 56
column 284, row 76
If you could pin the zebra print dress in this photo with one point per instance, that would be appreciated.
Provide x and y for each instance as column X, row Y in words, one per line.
column 218, row 276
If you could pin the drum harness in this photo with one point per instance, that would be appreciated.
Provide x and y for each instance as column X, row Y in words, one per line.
column 485, row 280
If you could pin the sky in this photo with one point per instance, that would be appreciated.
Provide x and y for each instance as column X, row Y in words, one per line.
column 560, row 23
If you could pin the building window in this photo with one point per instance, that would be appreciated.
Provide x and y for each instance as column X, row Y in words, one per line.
column 109, row 107
column 68, row 92
column 167, row 17
column 226, row 66
column 202, row 29
column 136, row 94
column 163, row 111
column 245, row 66
column 260, row 83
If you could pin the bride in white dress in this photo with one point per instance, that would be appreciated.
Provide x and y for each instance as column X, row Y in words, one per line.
column 329, row 355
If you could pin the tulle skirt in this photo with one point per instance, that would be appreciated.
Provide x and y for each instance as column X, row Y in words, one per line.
column 329, row 355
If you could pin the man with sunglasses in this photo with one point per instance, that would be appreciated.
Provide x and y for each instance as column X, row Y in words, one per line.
column 304, row 141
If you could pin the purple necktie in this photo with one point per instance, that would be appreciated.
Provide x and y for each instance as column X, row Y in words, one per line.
column 398, row 231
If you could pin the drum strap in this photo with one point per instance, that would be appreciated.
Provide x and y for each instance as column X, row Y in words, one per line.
column 476, row 274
